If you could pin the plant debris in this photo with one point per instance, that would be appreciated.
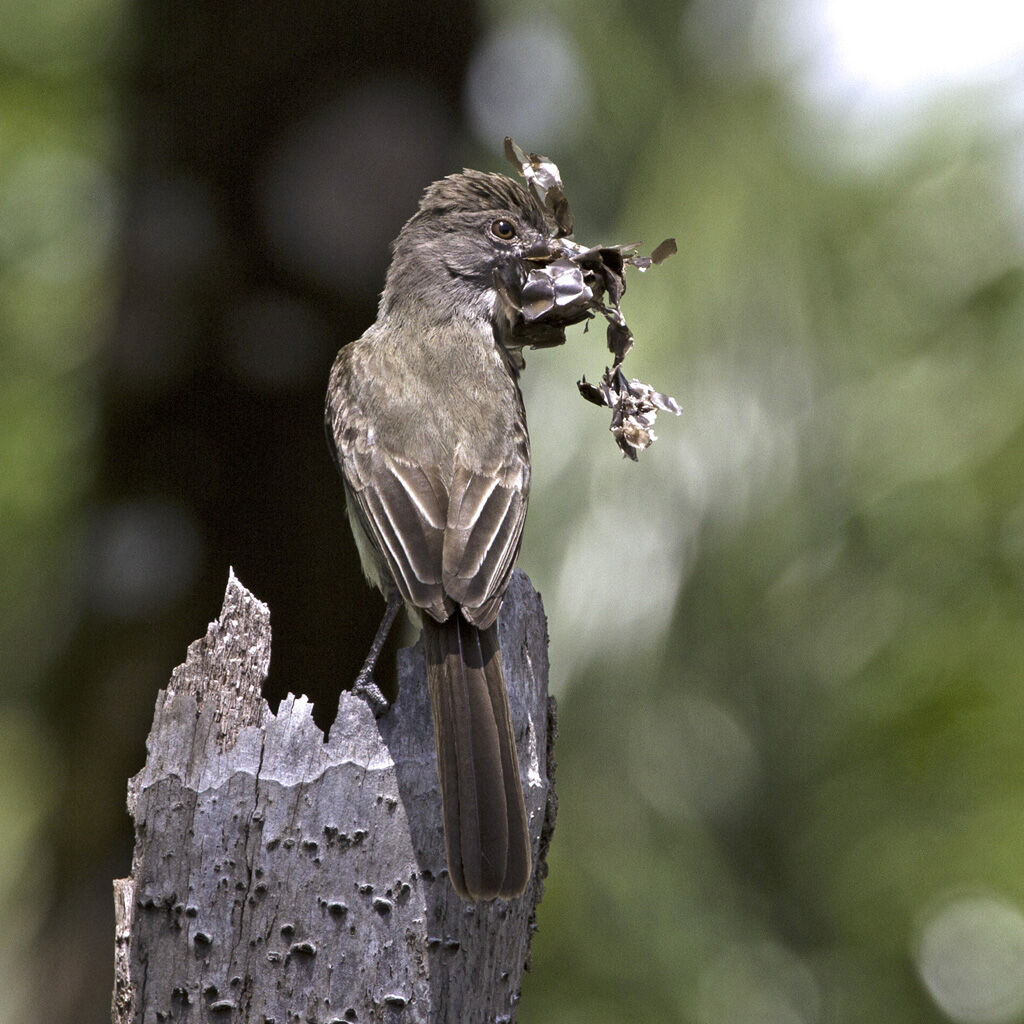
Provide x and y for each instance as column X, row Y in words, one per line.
column 572, row 284
column 634, row 406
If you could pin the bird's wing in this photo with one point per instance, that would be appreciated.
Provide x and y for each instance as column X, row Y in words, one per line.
column 401, row 504
column 402, row 508
column 448, row 531
column 483, row 531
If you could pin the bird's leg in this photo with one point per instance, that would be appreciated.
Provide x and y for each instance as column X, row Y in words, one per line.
column 364, row 686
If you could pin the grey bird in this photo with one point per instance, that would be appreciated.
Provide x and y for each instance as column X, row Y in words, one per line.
column 426, row 421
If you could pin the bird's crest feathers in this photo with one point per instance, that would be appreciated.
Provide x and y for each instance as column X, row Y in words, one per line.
column 480, row 192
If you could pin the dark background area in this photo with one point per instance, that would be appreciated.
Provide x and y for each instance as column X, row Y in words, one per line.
column 209, row 448
column 788, row 645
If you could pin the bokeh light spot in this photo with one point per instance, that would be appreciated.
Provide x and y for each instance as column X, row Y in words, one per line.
column 143, row 556
column 338, row 186
column 525, row 79
column 698, row 759
column 758, row 981
column 970, row 956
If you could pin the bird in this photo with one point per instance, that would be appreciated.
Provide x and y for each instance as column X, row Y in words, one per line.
column 426, row 421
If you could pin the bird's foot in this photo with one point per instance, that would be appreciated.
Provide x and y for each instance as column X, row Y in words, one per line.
column 366, row 688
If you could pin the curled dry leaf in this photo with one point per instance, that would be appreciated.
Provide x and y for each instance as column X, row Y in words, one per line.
column 545, row 181
column 634, row 406
column 664, row 250
column 571, row 283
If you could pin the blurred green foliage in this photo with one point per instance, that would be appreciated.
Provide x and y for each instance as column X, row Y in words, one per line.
column 792, row 722
column 56, row 229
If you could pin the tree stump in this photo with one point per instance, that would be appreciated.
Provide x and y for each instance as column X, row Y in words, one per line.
column 279, row 876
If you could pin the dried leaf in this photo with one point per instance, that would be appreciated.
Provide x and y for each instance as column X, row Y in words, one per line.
column 664, row 250
column 634, row 406
column 559, row 290
column 559, row 207
column 537, row 296
column 591, row 392
column 571, row 284
column 514, row 154
column 620, row 339
column 545, row 182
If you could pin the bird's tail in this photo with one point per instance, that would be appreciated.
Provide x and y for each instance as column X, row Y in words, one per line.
column 485, row 829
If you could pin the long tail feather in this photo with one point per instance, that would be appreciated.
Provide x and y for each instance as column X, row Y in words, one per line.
column 486, row 834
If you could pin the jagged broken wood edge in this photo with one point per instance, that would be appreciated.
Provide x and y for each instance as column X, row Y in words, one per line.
column 320, row 886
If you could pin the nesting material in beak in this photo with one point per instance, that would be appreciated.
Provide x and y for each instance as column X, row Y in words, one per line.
column 566, row 283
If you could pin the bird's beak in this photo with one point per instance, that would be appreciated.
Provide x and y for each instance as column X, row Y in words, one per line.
column 544, row 251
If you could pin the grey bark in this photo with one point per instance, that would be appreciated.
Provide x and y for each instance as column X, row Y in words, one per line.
column 278, row 876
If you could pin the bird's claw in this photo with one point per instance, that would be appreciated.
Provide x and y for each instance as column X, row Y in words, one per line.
column 366, row 688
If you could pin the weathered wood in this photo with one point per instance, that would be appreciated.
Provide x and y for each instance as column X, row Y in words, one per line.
column 279, row 876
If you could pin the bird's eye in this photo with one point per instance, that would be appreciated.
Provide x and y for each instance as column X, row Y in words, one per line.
column 503, row 229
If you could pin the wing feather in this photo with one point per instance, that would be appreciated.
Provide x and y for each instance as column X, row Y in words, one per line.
column 401, row 507
column 485, row 527
column 447, row 534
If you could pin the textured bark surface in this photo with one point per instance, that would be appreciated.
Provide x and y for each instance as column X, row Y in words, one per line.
column 280, row 877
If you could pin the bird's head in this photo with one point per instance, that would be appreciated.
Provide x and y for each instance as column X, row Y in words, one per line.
column 471, row 230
